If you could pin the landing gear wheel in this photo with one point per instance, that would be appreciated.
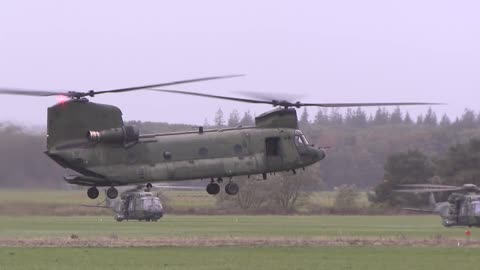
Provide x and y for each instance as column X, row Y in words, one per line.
column 149, row 186
column 92, row 193
column 220, row 180
column 112, row 193
column 232, row 188
column 213, row 188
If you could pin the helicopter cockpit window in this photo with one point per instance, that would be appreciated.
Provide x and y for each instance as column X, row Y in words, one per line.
column 300, row 140
column 476, row 208
column 148, row 202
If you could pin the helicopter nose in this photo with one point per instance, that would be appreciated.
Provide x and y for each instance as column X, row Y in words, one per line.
column 320, row 153
column 313, row 155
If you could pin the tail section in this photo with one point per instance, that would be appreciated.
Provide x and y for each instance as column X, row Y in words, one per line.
column 70, row 121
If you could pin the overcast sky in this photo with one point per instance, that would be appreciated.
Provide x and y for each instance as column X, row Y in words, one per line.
column 321, row 51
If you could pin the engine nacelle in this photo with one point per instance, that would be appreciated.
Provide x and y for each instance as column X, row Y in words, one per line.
column 121, row 135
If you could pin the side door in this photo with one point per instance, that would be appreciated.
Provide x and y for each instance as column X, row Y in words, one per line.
column 273, row 154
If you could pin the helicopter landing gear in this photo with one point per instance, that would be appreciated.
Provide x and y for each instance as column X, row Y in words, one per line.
column 232, row 188
column 213, row 188
column 92, row 193
column 112, row 193
column 149, row 186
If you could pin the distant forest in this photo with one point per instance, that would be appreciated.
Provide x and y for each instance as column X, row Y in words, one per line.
column 359, row 144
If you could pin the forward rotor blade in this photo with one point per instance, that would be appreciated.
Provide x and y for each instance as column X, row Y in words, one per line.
column 379, row 104
column 34, row 93
column 285, row 103
column 270, row 96
column 166, row 84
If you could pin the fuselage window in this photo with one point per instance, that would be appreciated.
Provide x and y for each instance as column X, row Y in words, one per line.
column 272, row 146
column 476, row 208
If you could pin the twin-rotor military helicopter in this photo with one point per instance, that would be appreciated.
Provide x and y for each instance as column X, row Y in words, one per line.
column 92, row 140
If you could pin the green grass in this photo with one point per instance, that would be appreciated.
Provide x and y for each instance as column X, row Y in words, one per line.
column 238, row 258
column 327, row 199
column 177, row 199
column 418, row 227
column 74, row 197
column 190, row 228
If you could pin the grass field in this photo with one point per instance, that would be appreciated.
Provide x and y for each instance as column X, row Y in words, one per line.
column 186, row 227
column 225, row 241
column 51, row 202
column 371, row 258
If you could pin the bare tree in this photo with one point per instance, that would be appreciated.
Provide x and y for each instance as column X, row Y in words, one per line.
column 253, row 194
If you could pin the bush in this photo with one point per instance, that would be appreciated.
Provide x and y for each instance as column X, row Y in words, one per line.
column 346, row 197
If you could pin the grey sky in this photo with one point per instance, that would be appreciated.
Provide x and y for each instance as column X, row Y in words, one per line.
column 324, row 51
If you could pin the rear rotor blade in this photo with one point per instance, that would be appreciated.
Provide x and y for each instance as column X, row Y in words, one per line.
column 27, row 92
column 75, row 94
column 120, row 90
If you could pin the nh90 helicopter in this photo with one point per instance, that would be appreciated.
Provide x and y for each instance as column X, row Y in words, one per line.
column 138, row 203
column 462, row 207
column 134, row 205
column 91, row 139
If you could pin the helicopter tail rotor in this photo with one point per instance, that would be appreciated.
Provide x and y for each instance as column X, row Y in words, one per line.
column 428, row 188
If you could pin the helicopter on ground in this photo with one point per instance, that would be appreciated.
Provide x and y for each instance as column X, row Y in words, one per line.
column 92, row 140
column 462, row 207
column 138, row 203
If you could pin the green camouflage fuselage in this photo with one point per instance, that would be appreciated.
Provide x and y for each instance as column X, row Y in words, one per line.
column 270, row 146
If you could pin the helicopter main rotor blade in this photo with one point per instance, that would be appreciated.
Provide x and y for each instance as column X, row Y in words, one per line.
column 155, row 187
column 425, row 190
column 376, row 104
column 212, row 96
column 285, row 103
column 270, row 96
column 77, row 94
column 120, row 90
column 427, row 186
column 27, row 92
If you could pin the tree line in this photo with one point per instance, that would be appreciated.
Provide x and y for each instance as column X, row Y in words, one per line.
column 459, row 165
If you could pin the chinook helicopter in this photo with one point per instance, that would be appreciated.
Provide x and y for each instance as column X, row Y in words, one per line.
column 92, row 140
column 462, row 207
